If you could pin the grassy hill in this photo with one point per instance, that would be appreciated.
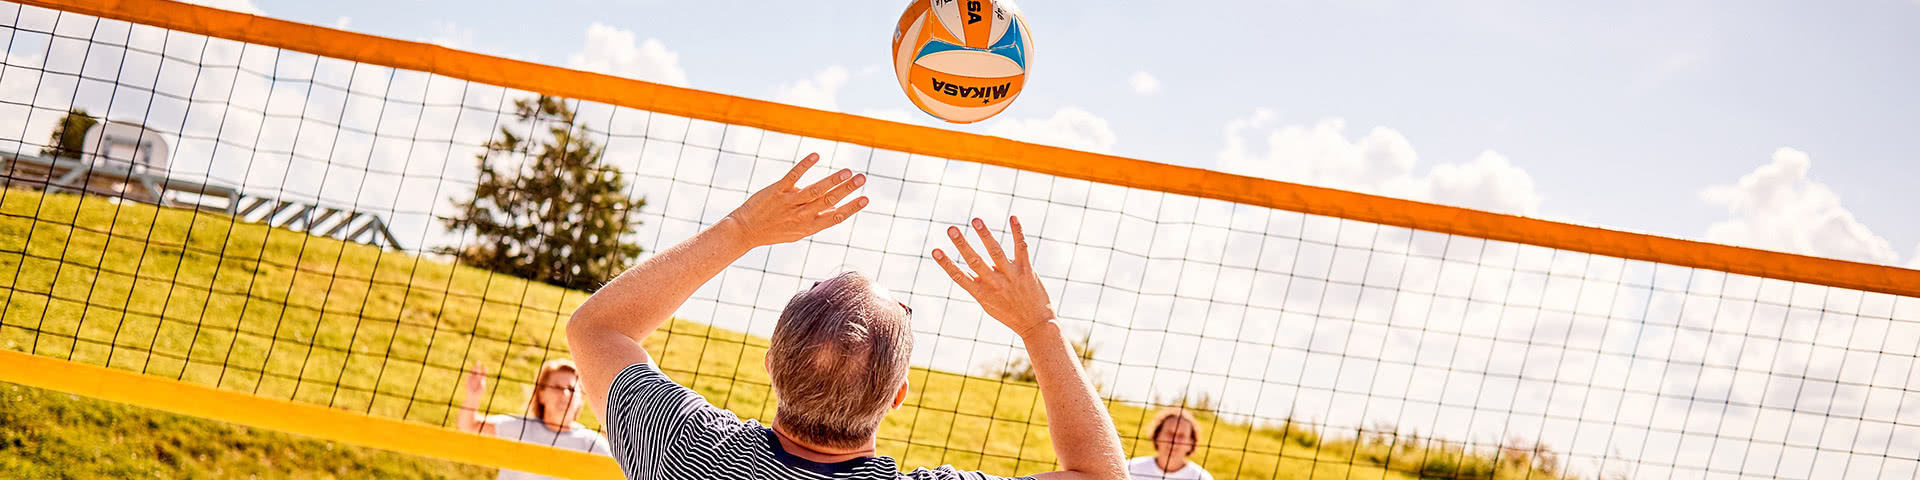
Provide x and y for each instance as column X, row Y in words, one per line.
column 201, row 298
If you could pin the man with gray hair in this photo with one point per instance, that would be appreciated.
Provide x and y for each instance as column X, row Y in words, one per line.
column 838, row 359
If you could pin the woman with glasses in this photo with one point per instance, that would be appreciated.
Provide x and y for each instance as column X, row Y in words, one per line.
column 548, row 419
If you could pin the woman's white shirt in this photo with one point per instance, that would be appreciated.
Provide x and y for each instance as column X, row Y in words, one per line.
column 1144, row 468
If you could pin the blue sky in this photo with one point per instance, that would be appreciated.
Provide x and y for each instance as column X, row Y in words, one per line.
column 1619, row 113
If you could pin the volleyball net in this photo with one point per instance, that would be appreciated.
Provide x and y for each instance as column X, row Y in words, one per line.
column 286, row 260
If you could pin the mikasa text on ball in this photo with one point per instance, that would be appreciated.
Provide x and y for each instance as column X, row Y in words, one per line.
column 962, row 60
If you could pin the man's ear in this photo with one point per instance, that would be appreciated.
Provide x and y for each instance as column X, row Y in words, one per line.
column 900, row 396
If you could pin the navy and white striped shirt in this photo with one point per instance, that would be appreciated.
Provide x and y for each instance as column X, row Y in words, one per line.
column 661, row 430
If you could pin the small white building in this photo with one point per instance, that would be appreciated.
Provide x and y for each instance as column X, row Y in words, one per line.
column 121, row 146
column 118, row 159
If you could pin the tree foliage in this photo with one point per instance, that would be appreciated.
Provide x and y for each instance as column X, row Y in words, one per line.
column 70, row 135
column 1019, row 369
column 545, row 208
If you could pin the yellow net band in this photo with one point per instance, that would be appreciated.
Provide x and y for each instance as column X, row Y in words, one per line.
column 320, row 422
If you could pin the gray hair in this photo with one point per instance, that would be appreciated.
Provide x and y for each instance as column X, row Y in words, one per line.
column 836, row 359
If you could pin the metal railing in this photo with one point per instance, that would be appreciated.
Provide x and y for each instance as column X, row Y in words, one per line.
column 134, row 182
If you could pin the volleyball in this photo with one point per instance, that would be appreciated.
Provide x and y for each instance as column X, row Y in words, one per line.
column 962, row 60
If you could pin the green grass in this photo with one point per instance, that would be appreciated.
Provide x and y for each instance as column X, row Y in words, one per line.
column 240, row 306
column 46, row 434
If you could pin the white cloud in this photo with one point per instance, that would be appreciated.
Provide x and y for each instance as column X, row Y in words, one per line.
column 1490, row 181
column 820, row 91
column 342, row 23
column 894, row 114
column 450, row 35
column 242, row 6
column 1381, row 162
column 19, row 92
column 1144, row 83
column 616, row 52
column 1069, row 127
column 1777, row 207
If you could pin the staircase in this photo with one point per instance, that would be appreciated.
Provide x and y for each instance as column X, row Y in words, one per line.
column 349, row 225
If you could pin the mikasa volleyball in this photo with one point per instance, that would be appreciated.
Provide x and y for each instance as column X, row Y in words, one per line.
column 962, row 60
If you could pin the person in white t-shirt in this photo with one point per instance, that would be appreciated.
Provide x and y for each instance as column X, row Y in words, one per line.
column 1175, row 436
column 549, row 418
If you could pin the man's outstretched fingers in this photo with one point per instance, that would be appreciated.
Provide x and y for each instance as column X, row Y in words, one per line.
column 799, row 170
column 840, row 214
column 840, row 192
column 821, row 187
column 960, row 244
column 992, row 245
column 1019, row 241
column 953, row 271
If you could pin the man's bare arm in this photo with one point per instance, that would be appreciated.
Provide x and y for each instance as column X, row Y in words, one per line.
column 1084, row 438
column 606, row 332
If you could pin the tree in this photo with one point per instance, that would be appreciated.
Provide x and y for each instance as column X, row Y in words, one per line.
column 69, row 137
column 546, row 209
column 1019, row 369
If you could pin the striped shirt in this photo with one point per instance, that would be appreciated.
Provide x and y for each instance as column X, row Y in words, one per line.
column 661, row 430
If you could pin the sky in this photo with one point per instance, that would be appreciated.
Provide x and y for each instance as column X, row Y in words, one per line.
column 1776, row 125
column 1782, row 125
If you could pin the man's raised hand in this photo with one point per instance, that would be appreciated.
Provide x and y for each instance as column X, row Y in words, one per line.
column 1007, row 288
column 785, row 212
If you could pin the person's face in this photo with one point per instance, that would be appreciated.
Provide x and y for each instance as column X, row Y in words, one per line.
column 561, row 393
column 1175, row 438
